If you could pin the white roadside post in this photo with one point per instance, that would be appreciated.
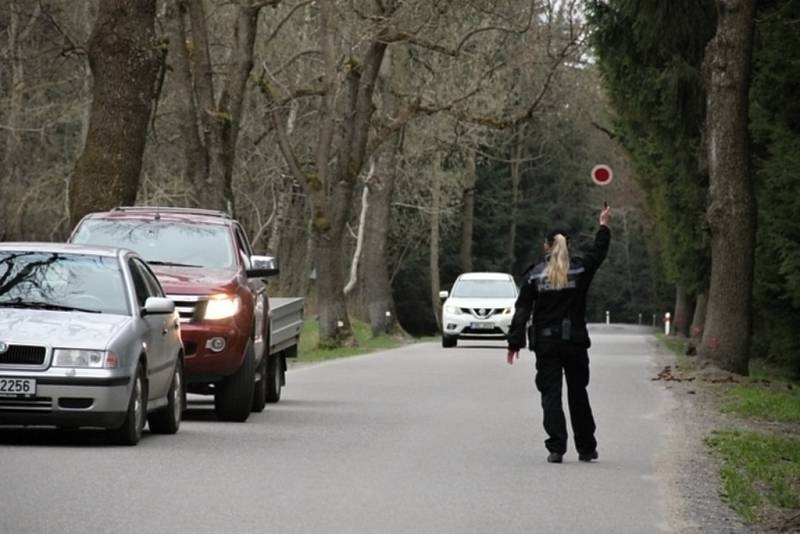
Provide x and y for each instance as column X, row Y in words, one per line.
column 667, row 321
column 608, row 317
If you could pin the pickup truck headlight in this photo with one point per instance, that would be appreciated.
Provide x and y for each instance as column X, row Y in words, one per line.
column 90, row 359
column 221, row 307
column 452, row 309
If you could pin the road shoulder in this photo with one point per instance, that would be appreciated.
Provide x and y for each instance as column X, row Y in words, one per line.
column 688, row 474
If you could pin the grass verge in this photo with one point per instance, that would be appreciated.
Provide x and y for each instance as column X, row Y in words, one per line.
column 757, row 469
column 770, row 402
column 309, row 350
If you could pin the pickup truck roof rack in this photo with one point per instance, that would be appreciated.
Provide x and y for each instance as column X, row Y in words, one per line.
column 161, row 209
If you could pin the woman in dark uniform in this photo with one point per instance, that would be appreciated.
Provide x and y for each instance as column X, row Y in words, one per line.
column 554, row 291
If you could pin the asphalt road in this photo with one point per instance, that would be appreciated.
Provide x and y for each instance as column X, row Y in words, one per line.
column 418, row 439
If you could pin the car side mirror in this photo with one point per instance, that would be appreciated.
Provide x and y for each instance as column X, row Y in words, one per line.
column 263, row 266
column 443, row 295
column 158, row 306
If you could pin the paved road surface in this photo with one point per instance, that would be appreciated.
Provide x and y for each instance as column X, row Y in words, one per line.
column 419, row 439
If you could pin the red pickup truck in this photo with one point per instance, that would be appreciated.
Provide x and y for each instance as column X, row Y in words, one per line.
column 206, row 265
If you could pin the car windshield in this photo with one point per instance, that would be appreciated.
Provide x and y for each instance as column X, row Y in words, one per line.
column 163, row 243
column 490, row 289
column 61, row 282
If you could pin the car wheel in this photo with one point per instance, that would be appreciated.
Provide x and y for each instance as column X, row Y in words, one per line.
column 168, row 419
column 260, row 387
column 234, row 396
column 449, row 341
column 130, row 432
column 274, row 380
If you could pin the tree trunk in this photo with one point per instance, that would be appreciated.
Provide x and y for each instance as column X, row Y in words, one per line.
column 680, row 323
column 468, row 215
column 377, row 281
column 731, row 211
column 124, row 62
column 380, row 303
column 362, row 222
column 329, row 227
column 195, row 158
column 699, row 317
column 436, row 184
column 334, row 323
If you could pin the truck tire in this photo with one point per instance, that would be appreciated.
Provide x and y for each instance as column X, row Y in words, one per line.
column 168, row 419
column 274, row 381
column 260, row 387
column 449, row 341
column 130, row 432
column 234, row 396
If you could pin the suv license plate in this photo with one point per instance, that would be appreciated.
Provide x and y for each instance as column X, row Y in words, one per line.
column 482, row 326
column 17, row 387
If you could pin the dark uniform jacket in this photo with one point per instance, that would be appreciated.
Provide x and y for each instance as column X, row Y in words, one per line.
column 551, row 306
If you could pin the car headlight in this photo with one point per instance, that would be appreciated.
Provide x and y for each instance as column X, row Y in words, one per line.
column 452, row 309
column 221, row 307
column 508, row 311
column 90, row 359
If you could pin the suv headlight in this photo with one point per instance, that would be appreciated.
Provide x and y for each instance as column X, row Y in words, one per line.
column 508, row 311
column 452, row 309
column 90, row 359
column 221, row 307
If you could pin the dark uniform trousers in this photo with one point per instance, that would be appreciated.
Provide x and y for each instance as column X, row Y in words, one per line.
column 553, row 358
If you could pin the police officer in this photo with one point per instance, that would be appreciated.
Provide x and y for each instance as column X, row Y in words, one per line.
column 555, row 292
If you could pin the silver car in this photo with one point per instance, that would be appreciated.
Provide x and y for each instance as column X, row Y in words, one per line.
column 87, row 338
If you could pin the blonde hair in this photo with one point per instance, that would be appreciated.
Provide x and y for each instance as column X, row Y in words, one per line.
column 558, row 263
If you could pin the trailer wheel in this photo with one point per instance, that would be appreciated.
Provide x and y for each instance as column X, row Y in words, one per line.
column 274, row 381
column 260, row 387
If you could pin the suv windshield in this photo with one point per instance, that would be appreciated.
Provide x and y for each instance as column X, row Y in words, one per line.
column 165, row 243
column 61, row 282
column 490, row 289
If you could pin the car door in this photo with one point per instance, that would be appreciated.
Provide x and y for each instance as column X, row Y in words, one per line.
column 259, row 289
column 160, row 362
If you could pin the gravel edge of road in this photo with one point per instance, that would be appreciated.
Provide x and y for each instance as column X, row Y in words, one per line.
column 688, row 474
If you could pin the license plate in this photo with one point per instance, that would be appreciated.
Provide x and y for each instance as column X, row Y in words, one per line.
column 17, row 387
column 483, row 326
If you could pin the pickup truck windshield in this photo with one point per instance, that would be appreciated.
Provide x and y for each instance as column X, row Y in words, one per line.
column 490, row 289
column 61, row 282
column 161, row 242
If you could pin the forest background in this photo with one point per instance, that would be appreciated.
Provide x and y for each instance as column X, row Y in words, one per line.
column 380, row 148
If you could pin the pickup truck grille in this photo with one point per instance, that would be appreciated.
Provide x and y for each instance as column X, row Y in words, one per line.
column 23, row 355
column 189, row 307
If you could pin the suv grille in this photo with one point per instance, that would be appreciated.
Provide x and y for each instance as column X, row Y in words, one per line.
column 189, row 307
column 23, row 355
column 482, row 313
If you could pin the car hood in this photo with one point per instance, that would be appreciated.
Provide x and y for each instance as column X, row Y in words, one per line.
column 60, row 329
column 194, row 281
column 461, row 302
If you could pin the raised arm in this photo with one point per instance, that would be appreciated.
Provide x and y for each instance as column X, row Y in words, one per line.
column 602, row 239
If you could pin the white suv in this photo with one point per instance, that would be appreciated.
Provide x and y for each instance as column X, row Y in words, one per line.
column 480, row 306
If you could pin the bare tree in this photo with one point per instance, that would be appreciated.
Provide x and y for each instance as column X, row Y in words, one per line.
column 210, row 126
